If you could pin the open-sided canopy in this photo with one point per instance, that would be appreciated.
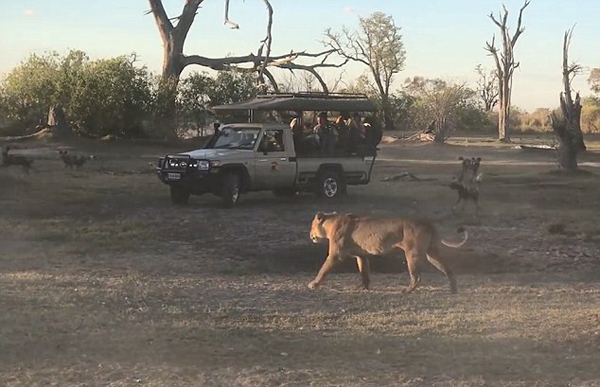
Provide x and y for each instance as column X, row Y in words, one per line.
column 304, row 102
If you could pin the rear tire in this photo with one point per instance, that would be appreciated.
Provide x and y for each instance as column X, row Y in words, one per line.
column 179, row 195
column 330, row 184
column 230, row 191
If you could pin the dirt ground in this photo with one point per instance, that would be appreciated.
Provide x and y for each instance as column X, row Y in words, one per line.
column 104, row 283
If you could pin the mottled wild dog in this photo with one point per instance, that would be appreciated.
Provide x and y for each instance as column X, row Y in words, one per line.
column 71, row 161
column 12, row 159
column 467, row 182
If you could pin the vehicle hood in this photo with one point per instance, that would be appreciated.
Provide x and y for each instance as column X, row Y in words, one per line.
column 218, row 154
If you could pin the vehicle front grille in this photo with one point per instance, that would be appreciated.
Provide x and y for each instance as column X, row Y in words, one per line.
column 178, row 164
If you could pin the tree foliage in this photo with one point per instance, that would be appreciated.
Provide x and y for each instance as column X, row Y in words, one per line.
column 113, row 96
column 590, row 115
column 487, row 88
column 378, row 45
column 449, row 106
column 105, row 96
column 199, row 92
column 594, row 80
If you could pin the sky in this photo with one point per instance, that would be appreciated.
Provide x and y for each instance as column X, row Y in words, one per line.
column 443, row 39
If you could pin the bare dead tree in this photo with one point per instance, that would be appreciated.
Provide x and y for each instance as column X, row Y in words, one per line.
column 568, row 126
column 505, row 67
column 173, row 36
column 486, row 88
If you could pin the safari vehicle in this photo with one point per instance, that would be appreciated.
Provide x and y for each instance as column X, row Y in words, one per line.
column 252, row 156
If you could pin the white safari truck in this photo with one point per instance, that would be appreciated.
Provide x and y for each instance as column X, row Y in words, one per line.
column 253, row 156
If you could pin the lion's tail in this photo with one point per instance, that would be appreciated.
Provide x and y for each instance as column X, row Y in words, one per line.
column 460, row 230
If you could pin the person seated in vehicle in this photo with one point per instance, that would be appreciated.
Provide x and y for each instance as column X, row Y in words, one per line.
column 270, row 143
column 297, row 133
column 357, row 133
column 311, row 139
column 343, row 131
column 328, row 136
column 213, row 139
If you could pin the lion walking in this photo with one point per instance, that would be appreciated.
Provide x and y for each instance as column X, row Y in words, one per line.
column 360, row 237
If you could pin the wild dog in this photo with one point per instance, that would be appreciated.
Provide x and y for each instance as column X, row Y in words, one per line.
column 467, row 192
column 467, row 182
column 12, row 159
column 71, row 161
column 469, row 165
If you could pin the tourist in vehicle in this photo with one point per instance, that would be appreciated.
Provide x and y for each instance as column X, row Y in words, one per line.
column 328, row 136
column 297, row 132
column 311, row 139
column 344, row 132
column 356, row 122
column 357, row 133
column 215, row 135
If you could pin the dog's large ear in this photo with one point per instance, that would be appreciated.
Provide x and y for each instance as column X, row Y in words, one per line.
column 478, row 159
column 461, row 158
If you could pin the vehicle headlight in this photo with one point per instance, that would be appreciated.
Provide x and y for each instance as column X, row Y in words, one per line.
column 203, row 165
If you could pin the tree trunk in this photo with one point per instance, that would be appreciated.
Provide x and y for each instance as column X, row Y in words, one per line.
column 388, row 116
column 567, row 155
column 440, row 131
column 171, row 73
column 504, row 114
column 57, row 121
column 568, row 131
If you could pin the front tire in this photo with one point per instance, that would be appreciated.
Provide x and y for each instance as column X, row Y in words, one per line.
column 179, row 195
column 230, row 191
column 330, row 185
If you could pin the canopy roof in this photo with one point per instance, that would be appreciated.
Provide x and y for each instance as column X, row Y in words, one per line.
column 304, row 102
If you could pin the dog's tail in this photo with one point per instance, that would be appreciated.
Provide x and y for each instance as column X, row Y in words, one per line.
column 460, row 230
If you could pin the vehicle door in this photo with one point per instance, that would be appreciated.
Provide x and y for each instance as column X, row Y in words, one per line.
column 274, row 168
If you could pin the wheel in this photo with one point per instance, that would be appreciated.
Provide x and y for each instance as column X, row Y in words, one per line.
column 179, row 195
column 230, row 191
column 330, row 184
column 284, row 192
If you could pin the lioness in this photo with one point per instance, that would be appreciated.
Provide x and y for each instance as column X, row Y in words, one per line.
column 354, row 236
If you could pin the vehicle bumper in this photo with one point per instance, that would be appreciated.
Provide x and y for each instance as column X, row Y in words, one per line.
column 198, row 182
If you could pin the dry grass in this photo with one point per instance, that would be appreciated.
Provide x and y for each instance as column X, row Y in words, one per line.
column 104, row 283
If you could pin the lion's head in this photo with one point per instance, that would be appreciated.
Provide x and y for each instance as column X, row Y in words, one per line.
column 317, row 229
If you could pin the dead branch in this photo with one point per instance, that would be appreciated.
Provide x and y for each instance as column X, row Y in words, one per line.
column 402, row 175
column 228, row 22
column 267, row 41
column 227, row 62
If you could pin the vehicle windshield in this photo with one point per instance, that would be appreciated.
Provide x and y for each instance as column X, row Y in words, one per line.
column 236, row 138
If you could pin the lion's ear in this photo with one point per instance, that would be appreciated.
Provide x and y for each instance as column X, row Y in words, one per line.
column 319, row 216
